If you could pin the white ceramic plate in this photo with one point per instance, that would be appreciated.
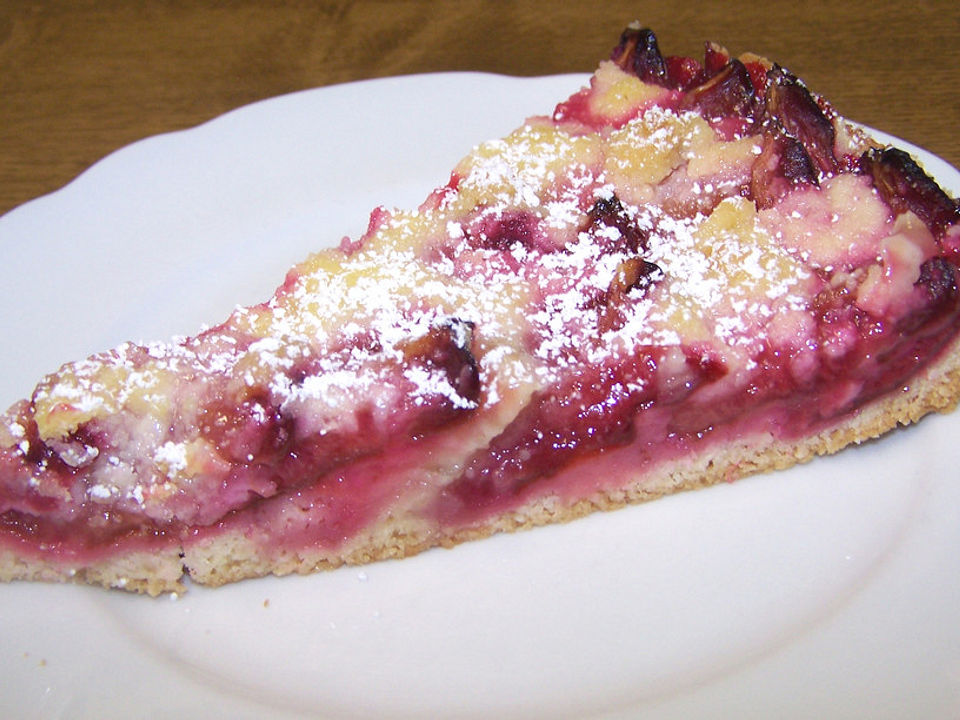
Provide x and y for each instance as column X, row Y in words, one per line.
column 830, row 590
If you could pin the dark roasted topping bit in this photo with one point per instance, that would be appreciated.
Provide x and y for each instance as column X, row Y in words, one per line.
column 633, row 274
column 446, row 348
column 639, row 53
column 939, row 292
column 939, row 278
column 782, row 165
column 609, row 212
column 904, row 186
column 790, row 103
column 729, row 93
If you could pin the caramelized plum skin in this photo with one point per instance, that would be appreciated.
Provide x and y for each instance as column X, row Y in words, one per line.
column 639, row 53
column 782, row 166
column 729, row 93
column 610, row 213
column 904, row 186
column 789, row 103
column 636, row 307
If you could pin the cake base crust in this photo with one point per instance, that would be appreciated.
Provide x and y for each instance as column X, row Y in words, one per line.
column 152, row 573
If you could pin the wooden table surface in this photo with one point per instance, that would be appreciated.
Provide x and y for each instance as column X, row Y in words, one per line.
column 80, row 79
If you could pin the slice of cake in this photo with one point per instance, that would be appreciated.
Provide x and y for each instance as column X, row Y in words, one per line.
column 688, row 272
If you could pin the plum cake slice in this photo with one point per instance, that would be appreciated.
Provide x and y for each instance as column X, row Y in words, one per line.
column 688, row 272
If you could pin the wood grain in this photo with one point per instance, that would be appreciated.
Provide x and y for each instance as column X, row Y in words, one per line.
column 81, row 79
